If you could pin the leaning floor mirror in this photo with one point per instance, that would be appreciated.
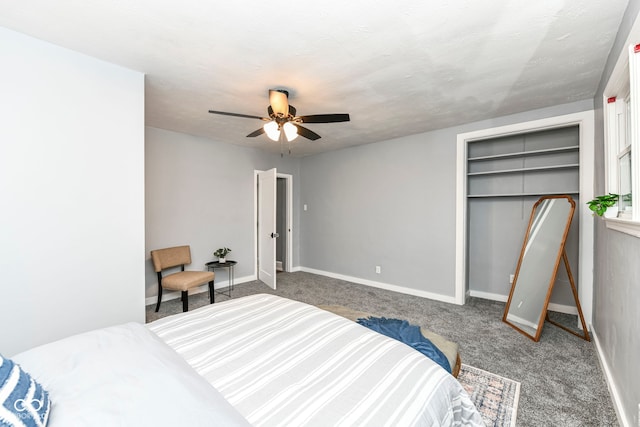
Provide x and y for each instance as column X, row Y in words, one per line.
column 542, row 252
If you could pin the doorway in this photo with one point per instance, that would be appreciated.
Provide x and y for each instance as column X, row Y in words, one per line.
column 585, row 122
column 283, row 202
column 281, row 223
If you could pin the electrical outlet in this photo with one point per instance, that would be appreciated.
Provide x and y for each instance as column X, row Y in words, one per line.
column 511, row 277
column 378, row 269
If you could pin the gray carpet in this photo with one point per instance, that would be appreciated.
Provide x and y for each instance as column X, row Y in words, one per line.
column 561, row 380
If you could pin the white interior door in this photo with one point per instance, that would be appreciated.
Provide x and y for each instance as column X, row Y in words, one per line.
column 267, row 227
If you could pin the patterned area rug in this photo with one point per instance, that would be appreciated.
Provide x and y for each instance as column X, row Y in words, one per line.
column 495, row 397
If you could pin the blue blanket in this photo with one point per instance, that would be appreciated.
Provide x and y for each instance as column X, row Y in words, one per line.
column 409, row 334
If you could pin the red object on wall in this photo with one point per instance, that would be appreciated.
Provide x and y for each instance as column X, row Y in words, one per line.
column 610, row 100
column 636, row 48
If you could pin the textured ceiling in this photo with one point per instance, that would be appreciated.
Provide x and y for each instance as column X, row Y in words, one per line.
column 398, row 68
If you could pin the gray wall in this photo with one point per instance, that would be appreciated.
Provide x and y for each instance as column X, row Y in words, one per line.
column 496, row 232
column 391, row 204
column 388, row 204
column 200, row 192
column 72, row 189
column 617, row 270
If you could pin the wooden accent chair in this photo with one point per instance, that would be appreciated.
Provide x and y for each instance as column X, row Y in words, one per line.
column 182, row 280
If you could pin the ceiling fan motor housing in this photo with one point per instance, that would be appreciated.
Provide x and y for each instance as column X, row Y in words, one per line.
column 281, row 118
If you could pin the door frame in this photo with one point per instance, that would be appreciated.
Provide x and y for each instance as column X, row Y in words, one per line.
column 586, row 122
column 288, row 265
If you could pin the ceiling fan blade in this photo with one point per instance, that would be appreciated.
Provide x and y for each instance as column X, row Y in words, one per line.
column 309, row 134
column 278, row 99
column 256, row 133
column 246, row 116
column 325, row 118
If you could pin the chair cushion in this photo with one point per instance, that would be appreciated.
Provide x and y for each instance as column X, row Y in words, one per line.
column 183, row 280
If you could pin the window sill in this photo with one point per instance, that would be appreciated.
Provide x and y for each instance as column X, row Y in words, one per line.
column 623, row 226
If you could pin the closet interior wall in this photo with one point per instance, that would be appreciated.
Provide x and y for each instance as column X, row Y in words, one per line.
column 505, row 177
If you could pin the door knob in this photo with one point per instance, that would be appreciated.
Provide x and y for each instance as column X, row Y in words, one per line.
column 274, row 235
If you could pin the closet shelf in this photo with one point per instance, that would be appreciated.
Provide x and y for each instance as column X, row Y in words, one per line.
column 535, row 194
column 524, row 153
column 517, row 170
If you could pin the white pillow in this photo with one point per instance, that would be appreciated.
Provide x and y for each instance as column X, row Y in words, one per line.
column 124, row 375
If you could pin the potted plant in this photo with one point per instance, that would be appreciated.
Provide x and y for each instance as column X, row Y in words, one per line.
column 221, row 254
column 605, row 205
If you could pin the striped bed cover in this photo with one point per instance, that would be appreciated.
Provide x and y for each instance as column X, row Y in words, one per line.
column 285, row 363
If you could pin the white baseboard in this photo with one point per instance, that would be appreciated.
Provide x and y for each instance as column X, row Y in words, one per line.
column 611, row 384
column 560, row 308
column 166, row 296
column 489, row 296
column 520, row 320
column 387, row 286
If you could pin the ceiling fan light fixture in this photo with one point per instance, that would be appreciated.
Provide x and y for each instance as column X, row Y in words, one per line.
column 282, row 122
column 290, row 131
column 272, row 130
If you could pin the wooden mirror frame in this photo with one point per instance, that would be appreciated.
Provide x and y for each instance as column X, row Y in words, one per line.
column 561, row 255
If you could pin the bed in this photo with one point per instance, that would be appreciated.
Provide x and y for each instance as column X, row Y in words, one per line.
column 259, row 360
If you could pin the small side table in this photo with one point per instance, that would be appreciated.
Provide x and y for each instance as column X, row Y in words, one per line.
column 211, row 266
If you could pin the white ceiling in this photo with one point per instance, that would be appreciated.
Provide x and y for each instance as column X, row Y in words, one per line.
column 398, row 68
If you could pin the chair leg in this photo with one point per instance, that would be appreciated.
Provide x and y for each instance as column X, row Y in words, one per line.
column 159, row 298
column 212, row 293
column 185, row 301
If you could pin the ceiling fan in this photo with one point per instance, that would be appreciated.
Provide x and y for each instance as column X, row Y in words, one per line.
column 282, row 123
